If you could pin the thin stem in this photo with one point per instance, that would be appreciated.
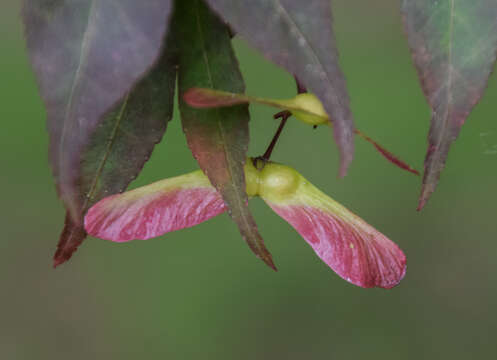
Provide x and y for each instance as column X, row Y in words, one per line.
column 284, row 115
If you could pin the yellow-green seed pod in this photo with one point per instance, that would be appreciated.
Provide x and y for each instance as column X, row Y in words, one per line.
column 312, row 109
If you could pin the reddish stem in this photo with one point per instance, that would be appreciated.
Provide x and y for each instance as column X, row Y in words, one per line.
column 284, row 115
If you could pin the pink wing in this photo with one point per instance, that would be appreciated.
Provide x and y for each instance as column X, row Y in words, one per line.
column 359, row 254
column 154, row 210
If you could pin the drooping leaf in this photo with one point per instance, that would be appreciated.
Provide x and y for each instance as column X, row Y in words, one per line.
column 218, row 138
column 305, row 107
column 87, row 54
column 453, row 44
column 152, row 210
column 352, row 248
column 118, row 148
column 298, row 36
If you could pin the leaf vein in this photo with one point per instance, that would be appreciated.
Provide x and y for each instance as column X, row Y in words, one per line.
column 81, row 63
column 230, row 162
column 103, row 161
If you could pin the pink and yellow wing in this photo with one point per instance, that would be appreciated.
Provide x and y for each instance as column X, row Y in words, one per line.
column 352, row 248
column 153, row 210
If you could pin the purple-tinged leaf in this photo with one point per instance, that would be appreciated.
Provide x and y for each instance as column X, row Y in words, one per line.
column 218, row 138
column 305, row 107
column 153, row 210
column 298, row 36
column 87, row 54
column 119, row 147
column 454, row 45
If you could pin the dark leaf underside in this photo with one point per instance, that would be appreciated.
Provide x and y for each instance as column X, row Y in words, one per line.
column 453, row 44
column 121, row 145
column 87, row 55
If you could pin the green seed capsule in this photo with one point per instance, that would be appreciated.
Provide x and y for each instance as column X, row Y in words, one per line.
column 272, row 180
column 311, row 104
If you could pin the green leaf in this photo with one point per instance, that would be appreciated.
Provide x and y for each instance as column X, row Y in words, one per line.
column 298, row 36
column 218, row 138
column 119, row 147
column 453, row 44
column 87, row 54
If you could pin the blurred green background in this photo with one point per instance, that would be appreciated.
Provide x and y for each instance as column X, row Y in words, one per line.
column 200, row 293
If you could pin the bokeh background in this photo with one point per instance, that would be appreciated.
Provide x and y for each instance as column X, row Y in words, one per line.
column 200, row 293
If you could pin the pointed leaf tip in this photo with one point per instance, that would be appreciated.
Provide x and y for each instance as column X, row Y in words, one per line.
column 268, row 260
column 218, row 139
column 71, row 237
column 454, row 46
column 271, row 265
column 107, row 90
column 427, row 189
column 262, row 253
column 344, row 139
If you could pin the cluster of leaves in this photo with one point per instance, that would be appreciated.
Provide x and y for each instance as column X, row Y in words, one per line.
column 107, row 72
